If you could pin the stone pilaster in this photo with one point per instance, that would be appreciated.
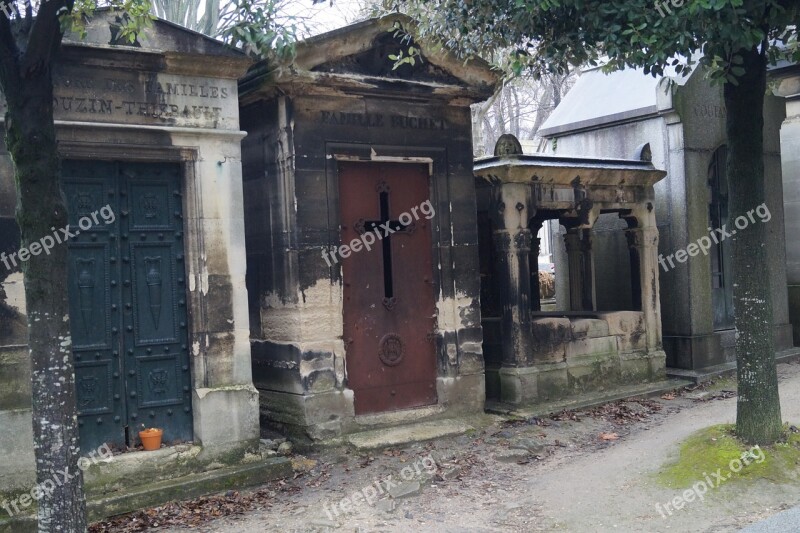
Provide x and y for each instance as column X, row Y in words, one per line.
column 536, row 243
column 514, row 248
column 512, row 240
column 644, row 242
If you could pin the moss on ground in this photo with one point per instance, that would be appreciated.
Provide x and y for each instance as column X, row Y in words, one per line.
column 721, row 383
column 714, row 449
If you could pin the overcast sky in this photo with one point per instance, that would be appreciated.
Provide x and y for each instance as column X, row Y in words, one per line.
column 325, row 17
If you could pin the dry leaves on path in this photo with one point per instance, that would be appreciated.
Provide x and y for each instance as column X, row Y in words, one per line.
column 195, row 512
column 626, row 411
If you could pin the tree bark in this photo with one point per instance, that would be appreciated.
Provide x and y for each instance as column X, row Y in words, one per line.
column 758, row 417
column 26, row 80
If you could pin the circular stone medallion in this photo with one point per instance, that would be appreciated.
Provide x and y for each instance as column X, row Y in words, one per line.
column 392, row 350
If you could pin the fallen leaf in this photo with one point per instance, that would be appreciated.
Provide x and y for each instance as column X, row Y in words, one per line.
column 609, row 436
column 668, row 396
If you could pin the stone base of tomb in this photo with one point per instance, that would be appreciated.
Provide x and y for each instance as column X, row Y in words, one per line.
column 578, row 354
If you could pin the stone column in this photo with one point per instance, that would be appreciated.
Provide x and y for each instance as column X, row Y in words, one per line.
column 536, row 243
column 588, row 296
column 644, row 242
column 512, row 241
column 572, row 240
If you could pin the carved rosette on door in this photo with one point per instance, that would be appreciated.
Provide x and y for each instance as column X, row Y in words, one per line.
column 392, row 349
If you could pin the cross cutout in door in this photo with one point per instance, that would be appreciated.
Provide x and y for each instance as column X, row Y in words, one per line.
column 386, row 227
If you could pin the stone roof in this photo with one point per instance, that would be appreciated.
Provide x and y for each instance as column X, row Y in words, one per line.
column 177, row 48
column 565, row 170
column 599, row 99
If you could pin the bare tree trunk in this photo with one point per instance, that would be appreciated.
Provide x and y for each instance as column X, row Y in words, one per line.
column 758, row 417
column 210, row 20
column 481, row 110
column 184, row 12
column 26, row 80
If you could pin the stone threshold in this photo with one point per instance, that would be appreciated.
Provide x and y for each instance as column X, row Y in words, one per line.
column 419, row 432
column 587, row 400
column 159, row 493
column 704, row 374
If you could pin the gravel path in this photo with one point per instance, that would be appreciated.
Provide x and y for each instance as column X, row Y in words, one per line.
column 582, row 472
column 785, row 522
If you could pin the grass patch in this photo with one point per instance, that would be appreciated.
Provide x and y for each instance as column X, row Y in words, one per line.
column 715, row 449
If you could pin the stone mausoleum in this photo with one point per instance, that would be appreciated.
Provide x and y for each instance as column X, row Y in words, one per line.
column 535, row 356
column 683, row 121
column 347, row 335
column 159, row 318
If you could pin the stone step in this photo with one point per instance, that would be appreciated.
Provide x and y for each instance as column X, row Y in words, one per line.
column 590, row 399
column 406, row 434
column 704, row 374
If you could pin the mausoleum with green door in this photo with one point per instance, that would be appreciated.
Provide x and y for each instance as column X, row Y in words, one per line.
column 150, row 141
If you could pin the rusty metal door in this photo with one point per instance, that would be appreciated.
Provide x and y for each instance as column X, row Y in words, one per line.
column 388, row 290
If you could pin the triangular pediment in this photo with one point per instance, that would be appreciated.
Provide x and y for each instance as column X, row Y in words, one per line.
column 359, row 56
column 379, row 60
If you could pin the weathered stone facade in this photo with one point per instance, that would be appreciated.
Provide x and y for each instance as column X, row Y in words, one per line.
column 788, row 87
column 683, row 120
column 340, row 107
column 535, row 356
column 170, row 99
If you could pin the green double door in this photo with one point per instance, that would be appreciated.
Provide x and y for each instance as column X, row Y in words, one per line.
column 128, row 303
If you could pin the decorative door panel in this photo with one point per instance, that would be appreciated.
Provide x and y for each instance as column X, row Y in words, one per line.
column 154, row 300
column 94, row 289
column 90, row 284
column 721, row 273
column 389, row 308
column 127, row 302
column 157, row 357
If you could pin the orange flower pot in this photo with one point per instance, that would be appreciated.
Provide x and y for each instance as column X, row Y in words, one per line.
column 151, row 439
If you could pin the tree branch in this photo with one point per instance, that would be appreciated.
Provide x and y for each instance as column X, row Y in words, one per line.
column 45, row 35
column 9, row 55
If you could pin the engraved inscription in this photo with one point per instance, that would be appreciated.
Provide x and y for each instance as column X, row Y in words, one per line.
column 709, row 111
column 378, row 120
column 133, row 97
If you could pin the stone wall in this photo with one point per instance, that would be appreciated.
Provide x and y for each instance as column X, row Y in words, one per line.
column 790, row 154
column 683, row 135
